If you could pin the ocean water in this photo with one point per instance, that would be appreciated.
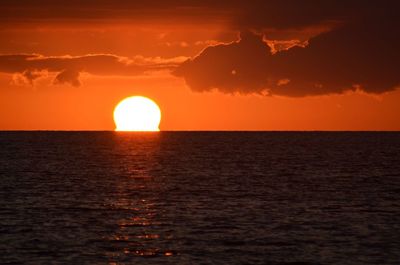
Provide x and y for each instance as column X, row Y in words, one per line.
column 200, row 198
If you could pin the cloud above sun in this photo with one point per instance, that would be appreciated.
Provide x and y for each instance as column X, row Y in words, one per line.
column 67, row 69
column 289, row 48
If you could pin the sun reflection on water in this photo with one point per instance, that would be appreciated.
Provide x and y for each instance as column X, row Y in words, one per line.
column 138, row 235
column 141, row 229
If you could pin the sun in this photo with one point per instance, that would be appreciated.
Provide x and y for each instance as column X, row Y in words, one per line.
column 137, row 114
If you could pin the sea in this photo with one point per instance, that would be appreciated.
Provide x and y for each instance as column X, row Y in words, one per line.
column 279, row 198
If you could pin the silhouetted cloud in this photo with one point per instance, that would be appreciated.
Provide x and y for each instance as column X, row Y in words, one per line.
column 255, row 14
column 319, row 47
column 68, row 76
column 361, row 53
column 239, row 66
column 68, row 68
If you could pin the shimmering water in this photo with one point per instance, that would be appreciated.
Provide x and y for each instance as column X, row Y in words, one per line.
column 199, row 198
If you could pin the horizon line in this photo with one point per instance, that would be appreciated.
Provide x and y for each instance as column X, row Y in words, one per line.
column 51, row 130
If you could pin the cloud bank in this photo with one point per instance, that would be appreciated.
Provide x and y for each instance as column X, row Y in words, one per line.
column 320, row 47
column 358, row 53
column 68, row 68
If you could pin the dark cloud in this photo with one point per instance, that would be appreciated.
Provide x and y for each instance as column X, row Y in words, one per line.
column 68, row 76
column 242, row 14
column 240, row 66
column 30, row 76
column 353, row 44
column 359, row 53
column 68, row 68
column 108, row 10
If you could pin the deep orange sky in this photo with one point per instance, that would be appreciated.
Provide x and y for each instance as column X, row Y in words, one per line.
column 150, row 47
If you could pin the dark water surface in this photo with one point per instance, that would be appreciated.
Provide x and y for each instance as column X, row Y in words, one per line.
column 199, row 198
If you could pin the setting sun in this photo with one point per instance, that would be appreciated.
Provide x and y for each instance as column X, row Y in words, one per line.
column 137, row 114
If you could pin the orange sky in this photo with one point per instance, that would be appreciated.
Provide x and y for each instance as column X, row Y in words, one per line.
column 160, row 46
